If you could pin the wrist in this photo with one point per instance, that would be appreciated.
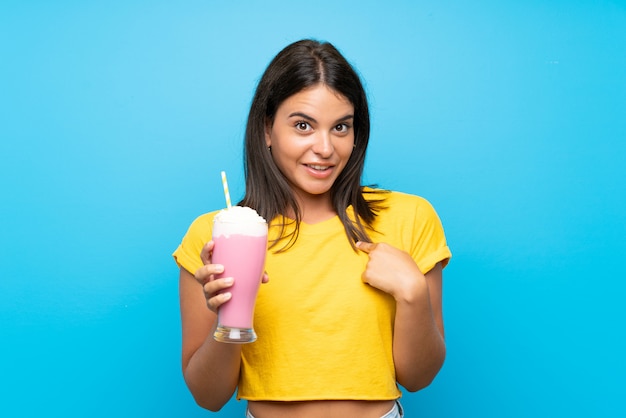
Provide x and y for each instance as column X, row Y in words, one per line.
column 414, row 290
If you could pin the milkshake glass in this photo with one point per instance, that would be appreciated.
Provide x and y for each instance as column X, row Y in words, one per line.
column 240, row 237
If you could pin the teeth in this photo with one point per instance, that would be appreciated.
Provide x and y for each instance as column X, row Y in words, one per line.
column 318, row 167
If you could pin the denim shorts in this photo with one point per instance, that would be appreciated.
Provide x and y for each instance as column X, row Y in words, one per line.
column 395, row 412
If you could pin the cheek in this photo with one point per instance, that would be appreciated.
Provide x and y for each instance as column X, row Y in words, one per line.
column 346, row 150
column 283, row 155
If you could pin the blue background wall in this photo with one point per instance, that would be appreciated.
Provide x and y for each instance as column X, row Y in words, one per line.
column 117, row 116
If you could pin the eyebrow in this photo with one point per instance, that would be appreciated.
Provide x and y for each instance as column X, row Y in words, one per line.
column 307, row 117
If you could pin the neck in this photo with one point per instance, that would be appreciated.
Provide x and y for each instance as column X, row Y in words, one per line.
column 316, row 208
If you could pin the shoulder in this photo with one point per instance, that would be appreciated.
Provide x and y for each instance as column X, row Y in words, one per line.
column 402, row 212
column 202, row 225
column 397, row 202
column 206, row 219
column 410, row 222
column 187, row 255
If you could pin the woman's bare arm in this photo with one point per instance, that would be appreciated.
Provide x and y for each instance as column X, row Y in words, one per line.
column 419, row 347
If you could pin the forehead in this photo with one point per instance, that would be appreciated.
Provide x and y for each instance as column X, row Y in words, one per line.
column 320, row 97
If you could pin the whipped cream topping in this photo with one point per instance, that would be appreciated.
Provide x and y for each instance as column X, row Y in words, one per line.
column 239, row 220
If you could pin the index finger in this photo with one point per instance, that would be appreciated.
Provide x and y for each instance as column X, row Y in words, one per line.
column 366, row 247
column 205, row 254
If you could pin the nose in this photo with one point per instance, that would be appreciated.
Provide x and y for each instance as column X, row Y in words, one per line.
column 323, row 144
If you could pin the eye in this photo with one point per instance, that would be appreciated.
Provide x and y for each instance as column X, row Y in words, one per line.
column 302, row 126
column 342, row 128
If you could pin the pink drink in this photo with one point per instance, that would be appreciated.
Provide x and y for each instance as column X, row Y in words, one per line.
column 240, row 246
column 243, row 258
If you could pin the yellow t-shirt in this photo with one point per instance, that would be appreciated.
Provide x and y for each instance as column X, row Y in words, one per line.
column 322, row 332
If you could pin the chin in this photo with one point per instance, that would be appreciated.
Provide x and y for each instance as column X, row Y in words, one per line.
column 315, row 192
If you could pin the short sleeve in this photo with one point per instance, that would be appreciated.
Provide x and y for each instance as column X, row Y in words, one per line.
column 429, row 245
column 187, row 255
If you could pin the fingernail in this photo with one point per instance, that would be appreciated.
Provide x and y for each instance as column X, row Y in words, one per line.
column 228, row 280
column 227, row 296
column 219, row 268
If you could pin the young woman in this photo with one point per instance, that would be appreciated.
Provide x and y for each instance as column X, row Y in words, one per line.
column 352, row 304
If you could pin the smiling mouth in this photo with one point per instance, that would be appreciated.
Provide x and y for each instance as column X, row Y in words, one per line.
column 318, row 167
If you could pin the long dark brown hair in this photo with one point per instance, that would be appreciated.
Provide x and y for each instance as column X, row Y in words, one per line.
column 300, row 65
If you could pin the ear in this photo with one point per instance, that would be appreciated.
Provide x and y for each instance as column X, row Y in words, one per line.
column 268, row 133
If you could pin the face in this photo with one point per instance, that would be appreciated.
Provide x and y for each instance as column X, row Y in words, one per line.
column 311, row 140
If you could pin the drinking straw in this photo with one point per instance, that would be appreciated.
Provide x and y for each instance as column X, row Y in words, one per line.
column 226, row 193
